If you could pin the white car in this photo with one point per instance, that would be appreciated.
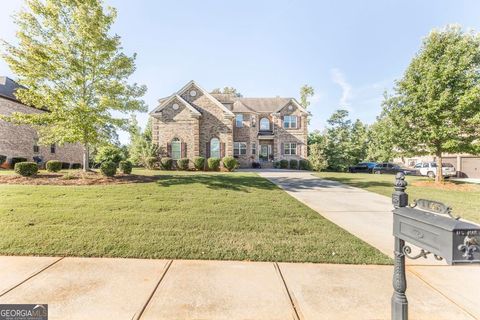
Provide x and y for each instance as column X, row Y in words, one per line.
column 429, row 169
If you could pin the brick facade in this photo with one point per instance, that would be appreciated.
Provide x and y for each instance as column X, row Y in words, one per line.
column 205, row 118
column 19, row 140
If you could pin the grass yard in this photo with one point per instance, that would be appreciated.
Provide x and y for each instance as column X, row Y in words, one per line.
column 184, row 215
column 465, row 200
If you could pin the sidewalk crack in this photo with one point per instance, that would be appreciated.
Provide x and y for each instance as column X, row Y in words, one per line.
column 295, row 308
column 165, row 270
column 30, row 277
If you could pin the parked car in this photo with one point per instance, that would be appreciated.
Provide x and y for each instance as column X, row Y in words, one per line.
column 429, row 169
column 362, row 167
column 392, row 168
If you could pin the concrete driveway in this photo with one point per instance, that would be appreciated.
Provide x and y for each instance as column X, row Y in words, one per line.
column 369, row 216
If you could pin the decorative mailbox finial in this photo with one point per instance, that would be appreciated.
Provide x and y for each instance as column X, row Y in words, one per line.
column 400, row 197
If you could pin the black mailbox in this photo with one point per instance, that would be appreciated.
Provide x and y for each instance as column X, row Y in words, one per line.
column 428, row 225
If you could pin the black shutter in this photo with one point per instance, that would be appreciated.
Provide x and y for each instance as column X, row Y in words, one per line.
column 207, row 153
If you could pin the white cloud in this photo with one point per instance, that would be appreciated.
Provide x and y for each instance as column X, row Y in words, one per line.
column 339, row 78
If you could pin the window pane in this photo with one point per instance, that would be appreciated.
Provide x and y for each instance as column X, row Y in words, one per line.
column 293, row 121
column 264, row 124
column 293, row 148
column 215, row 148
column 239, row 120
column 176, row 150
column 286, row 121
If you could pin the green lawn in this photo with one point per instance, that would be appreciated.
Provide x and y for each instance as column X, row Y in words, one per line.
column 465, row 203
column 184, row 215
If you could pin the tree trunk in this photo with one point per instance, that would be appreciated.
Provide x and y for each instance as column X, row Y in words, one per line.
column 439, row 173
column 86, row 157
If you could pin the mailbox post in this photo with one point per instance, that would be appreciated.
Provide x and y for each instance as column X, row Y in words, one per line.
column 430, row 226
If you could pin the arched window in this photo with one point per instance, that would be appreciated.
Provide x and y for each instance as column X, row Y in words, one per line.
column 264, row 124
column 215, row 148
column 176, row 149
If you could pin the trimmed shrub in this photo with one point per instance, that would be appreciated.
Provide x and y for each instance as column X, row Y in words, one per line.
column 150, row 162
column 125, row 167
column 65, row 165
column 2, row 158
column 213, row 163
column 199, row 163
column 256, row 165
column 26, row 169
column 293, row 164
column 182, row 164
column 53, row 166
column 16, row 160
column 166, row 163
column 230, row 163
column 108, row 168
column 304, row 164
column 276, row 164
column 283, row 164
column 76, row 165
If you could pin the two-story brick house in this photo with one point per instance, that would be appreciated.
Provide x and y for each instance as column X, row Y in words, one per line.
column 192, row 122
column 21, row 141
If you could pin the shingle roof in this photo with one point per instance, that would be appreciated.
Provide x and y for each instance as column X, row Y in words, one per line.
column 263, row 104
column 8, row 88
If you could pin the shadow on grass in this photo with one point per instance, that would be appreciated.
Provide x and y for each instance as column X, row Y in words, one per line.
column 363, row 184
column 216, row 182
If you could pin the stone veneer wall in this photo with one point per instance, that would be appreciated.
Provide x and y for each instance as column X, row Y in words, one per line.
column 18, row 140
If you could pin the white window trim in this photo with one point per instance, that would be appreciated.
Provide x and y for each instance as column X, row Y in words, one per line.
column 211, row 150
column 172, row 144
column 288, row 124
column 240, row 146
column 269, row 125
column 290, row 146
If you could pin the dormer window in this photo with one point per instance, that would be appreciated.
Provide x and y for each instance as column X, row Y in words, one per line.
column 264, row 124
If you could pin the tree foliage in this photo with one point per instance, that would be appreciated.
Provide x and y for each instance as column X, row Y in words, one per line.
column 227, row 90
column 306, row 92
column 71, row 65
column 436, row 105
column 141, row 148
column 343, row 144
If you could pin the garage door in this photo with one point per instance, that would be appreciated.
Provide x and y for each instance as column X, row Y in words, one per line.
column 471, row 167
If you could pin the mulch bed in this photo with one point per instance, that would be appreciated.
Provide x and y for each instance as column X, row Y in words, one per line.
column 76, row 179
column 452, row 186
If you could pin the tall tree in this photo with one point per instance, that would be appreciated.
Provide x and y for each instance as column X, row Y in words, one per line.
column 338, row 140
column 306, row 92
column 436, row 105
column 72, row 66
column 141, row 148
column 381, row 139
column 358, row 142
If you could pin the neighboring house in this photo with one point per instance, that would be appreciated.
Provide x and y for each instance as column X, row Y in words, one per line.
column 466, row 165
column 21, row 140
column 192, row 122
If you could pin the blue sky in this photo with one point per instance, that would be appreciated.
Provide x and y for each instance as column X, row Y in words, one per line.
column 349, row 51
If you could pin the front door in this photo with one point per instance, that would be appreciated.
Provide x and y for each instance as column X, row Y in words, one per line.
column 265, row 151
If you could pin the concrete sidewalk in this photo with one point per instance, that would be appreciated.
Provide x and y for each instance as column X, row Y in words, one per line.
column 105, row 288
